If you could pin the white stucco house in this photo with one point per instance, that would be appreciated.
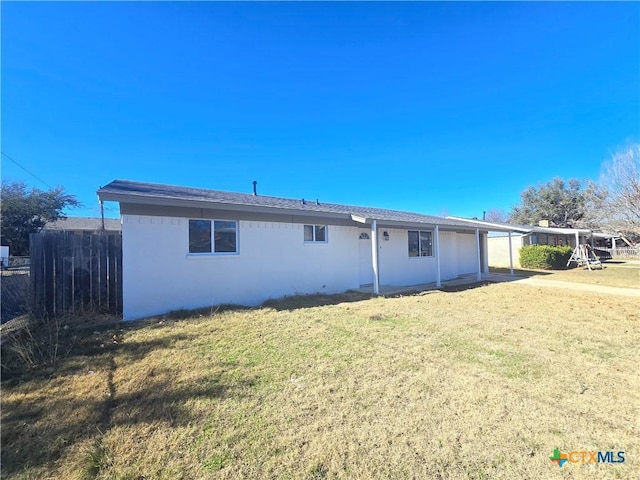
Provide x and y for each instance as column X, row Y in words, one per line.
column 188, row 247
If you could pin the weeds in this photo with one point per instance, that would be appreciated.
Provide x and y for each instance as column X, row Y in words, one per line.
column 35, row 343
column 30, row 343
column 95, row 461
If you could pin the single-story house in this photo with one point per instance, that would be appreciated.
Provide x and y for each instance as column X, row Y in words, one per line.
column 189, row 247
column 84, row 225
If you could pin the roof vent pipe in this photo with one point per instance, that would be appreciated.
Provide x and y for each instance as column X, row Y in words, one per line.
column 317, row 202
column 303, row 202
column 255, row 192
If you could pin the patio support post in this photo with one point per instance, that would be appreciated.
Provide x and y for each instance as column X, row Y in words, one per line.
column 374, row 258
column 478, row 254
column 577, row 239
column 437, row 245
column 510, row 255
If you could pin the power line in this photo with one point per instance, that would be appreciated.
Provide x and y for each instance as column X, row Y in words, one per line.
column 23, row 168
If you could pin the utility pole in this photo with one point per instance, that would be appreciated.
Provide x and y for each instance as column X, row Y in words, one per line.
column 102, row 214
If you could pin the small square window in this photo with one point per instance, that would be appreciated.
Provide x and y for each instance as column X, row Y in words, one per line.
column 420, row 243
column 315, row 233
column 218, row 236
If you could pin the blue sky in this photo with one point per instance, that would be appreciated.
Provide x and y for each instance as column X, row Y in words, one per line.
column 441, row 108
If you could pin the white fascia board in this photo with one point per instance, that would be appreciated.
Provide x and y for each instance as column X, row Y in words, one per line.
column 428, row 225
column 561, row 230
column 359, row 219
column 496, row 227
column 605, row 235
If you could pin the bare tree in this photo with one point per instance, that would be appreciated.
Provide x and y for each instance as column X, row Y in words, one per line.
column 496, row 215
column 595, row 217
column 619, row 191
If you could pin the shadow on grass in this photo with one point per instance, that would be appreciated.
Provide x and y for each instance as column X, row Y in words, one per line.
column 75, row 340
column 446, row 289
column 518, row 273
column 39, row 426
column 295, row 302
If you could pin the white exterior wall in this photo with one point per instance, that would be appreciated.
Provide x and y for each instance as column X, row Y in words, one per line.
column 498, row 248
column 159, row 275
column 448, row 255
column 467, row 253
column 396, row 267
column 273, row 261
column 457, row 257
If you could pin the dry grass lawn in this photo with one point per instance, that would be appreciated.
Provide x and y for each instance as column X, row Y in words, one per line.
column 476, row 384
column 624, row 274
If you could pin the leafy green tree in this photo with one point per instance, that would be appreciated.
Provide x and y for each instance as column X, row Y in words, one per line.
column 562, row 203
column 25, row 211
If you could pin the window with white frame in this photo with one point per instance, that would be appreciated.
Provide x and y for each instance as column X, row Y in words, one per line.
column 315, row 234
column 420, row 243
column 213, row 236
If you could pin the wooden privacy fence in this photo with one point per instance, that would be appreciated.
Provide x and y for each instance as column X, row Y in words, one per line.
column 73, row 273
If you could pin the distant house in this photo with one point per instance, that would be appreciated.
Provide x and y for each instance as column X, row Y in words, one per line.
column 187, row 247
column 84, row 225
column 521, row 235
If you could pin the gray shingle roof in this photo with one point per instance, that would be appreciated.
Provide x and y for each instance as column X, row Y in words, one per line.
column 129, row 191
column 83, row 223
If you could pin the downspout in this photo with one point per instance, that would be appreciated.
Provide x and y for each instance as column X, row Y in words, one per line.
column 437, row 245
column 374, row 257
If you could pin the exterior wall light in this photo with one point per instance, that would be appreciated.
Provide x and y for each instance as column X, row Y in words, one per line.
column 385, row 234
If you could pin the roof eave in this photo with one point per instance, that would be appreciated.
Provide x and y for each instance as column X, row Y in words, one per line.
column 209, row 205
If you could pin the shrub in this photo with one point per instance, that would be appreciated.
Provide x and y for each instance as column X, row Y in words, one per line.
column 545, row 257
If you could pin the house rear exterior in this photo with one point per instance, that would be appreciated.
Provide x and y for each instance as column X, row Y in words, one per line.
column 189, row 248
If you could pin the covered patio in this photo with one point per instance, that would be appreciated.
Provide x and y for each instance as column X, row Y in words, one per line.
column 438, row 246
